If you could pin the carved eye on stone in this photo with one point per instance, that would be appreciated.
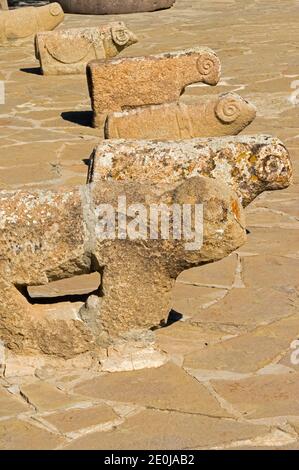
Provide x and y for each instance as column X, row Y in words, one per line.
column 274, row 168
column 120, row 36
column 55, row 9
column 228, row 109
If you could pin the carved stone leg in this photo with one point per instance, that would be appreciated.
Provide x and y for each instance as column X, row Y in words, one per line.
column 25, row 328
column 138, row 275
column 136, row 293
column 52, row 235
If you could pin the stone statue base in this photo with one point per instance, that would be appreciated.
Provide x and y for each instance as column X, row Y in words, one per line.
column 112, row 7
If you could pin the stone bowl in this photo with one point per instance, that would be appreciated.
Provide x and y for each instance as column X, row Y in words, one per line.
column 112, row 7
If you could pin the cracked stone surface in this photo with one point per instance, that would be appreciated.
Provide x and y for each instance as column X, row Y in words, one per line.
column 9, row 405
column 233, row 360
column 164, row 388
column 153, row 429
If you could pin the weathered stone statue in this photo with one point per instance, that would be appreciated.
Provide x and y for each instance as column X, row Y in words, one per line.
column 227, row 114
column 111, row 7
column 250, row 165
column 122, row 83
column 25, row 22
column 68, row 51
column 51, row 235
column 3, row 5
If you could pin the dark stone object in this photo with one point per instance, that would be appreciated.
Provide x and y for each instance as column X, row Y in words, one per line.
column 111, row 7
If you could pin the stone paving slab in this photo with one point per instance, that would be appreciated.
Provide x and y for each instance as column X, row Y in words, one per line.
column 162, row 430
column 22, row 435
column 248, row 352
column 188, row 299
column 182, row 338
column 76, row 419
column 47, row 397
column 9, row 405
column 220, row 274
column 233, row 333
column 246, row 308
column 271, row 271
column 165, row 388
column 262, row 396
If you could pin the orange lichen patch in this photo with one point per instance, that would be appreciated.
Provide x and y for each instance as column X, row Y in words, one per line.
column 253, row 159
column 235, row 172
column 235, row 207
column 242, row 156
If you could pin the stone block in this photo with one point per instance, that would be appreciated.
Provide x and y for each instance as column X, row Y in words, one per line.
column 51, row 235
column 122, row 83
column 113, row 7
column 74, row 419
column 249, row 164
column 25, row 22
column 227, row 114
column 264, row 396
column 69, row 50
column 159, row 430
column 154, row 388
column 24, row 435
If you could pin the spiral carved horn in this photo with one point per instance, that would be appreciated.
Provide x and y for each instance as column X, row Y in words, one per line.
column 274, row 166
column 55, row 9
column 209, row 67
column 228, row 108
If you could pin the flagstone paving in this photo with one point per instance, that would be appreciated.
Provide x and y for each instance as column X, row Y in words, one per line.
column 231, row 376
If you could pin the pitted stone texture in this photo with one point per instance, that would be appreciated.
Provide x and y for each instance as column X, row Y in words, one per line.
column 39, row 245
column 250, row 165
column 48, row 235
column 25, row 22
column 68, row 51
column 227, row 114
column 113, row 7
column 151, row 269
column 156, row 79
